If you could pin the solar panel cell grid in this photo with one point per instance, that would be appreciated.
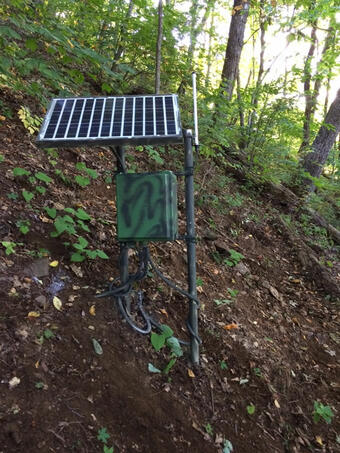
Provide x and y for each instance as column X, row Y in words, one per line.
column 143, row 119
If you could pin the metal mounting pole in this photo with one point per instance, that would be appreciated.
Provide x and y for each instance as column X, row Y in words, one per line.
column 124, row 249
column 191, row 246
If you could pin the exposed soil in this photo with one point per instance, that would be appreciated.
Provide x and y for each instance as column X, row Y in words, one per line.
column 272, row 347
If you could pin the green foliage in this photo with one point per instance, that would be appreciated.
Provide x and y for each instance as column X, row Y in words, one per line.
column 221, row 302
column 223, row 365
column 234, row 258
column 43, row 177
column 165, row 338
column 31, row 122
column 9, row 247
column 48, row 334
column 17, row 171
column 209, row 429
column 103, row 435
column 23, row 225
column 251, row 409
column 322, row 412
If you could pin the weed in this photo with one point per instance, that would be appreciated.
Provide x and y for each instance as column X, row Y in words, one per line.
column 221, row 302
column 234, row 258
column 251, row 409
column 223, row 365
column 166, row 338
column 209, row 429
column 103, row 436
column 322, row 412
column 9, row 247
column 228, row 447
column 234, row 201
column 257, row 372
column 31, row 122
column 23, row 225
column 199, row 281
column 233, row 292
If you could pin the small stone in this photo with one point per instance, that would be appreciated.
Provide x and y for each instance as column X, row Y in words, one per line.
column 41, row 301
column 39, row 268
column 242, row 269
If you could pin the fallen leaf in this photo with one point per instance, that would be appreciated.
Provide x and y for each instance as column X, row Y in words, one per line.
column 33, row 314
column 164, row 312
column 13, row 382
column 37, row 363
column 57, row 303
column 92, row 310
column 97, row 347
column 319, row 440
column 54, row 263
column 274, row 292
column 230, row 326
column 191, row 373
column 277, row 404
column 77, row 270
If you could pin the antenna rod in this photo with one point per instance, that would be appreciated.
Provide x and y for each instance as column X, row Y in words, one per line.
column 196, row 143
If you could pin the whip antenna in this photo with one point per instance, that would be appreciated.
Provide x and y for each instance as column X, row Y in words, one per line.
column 194, row 93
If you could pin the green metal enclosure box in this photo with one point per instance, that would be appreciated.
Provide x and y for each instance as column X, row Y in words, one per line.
column 146, row 206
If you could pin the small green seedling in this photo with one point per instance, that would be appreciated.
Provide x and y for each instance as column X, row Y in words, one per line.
column 223, row 365
column 165, row 338
column 221, row 302
column 9, row 247
column 234, row 258
column 209, row 429
column 251, row 409
column 322, row 412
column 103, row 436
column 199, row 281
column 23, row 225
column 233, row 292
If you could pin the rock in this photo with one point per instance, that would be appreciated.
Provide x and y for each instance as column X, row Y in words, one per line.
column 41, row 301
column 209, row 235
column 242, row 268
column 39, row 268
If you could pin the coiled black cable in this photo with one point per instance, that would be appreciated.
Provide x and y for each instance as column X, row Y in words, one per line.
column 124, row 290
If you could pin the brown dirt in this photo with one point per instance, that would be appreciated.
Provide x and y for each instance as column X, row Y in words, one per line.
column 281, row 357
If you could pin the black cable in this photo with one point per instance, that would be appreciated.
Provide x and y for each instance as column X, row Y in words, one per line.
column 121, row 291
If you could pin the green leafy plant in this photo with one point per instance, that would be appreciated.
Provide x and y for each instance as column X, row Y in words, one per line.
column 233, row 292
column 31, row 122
column 209, row 429
column 158, row 340
column 23, row 225
column 84, row 181
column 18, row 171
column 228, row 447
column 199, row 281
column 251, row 409
column 103, row 436
column 322, row 412
column 223, row 365
column 9, row 247
column 221, row 302
column 234, row 258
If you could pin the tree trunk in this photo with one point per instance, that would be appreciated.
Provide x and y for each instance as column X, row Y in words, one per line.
column 234, row 47
column 309, row 98
column 119, row 46
column 315, row 160
column 159, row 47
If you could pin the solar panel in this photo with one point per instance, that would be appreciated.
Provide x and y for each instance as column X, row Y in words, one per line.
column 116, row 120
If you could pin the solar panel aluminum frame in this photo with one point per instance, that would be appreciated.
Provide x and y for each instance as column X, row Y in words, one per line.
column 141, row 139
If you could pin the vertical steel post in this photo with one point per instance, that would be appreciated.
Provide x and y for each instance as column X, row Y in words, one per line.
column 124, row 249
column 191, row 246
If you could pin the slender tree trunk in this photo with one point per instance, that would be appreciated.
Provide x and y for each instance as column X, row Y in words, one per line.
column 234, row 47
column 159, row 47
column 256, row 92
column 307, row 73
column 314, row 161
column 209, row 57
column 119, row 45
